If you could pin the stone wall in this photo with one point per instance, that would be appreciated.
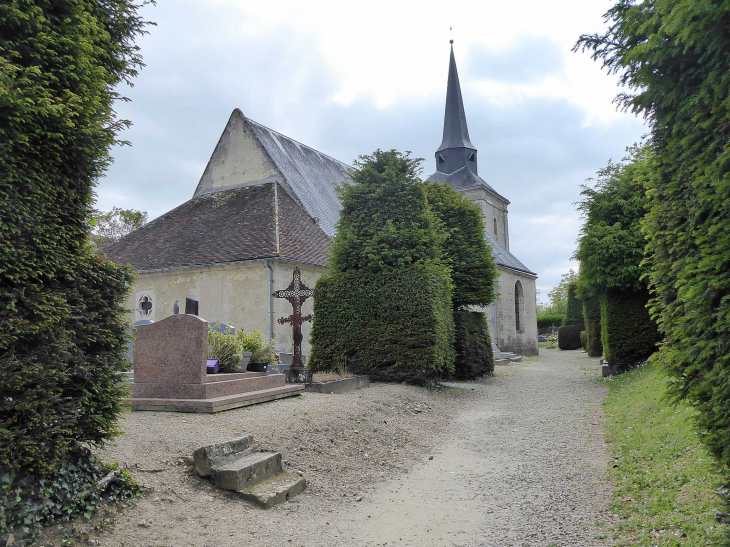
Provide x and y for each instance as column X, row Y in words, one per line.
column 493, row 209
column 508, row 338
column 236, row 294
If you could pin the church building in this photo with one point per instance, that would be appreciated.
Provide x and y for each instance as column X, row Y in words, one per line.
column 513, row 316
column 267, row 203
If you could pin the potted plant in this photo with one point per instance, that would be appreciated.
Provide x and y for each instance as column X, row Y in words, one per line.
column 255, row 355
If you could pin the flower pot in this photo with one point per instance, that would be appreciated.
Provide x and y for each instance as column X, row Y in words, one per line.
column 257, row 366
column 245, row 358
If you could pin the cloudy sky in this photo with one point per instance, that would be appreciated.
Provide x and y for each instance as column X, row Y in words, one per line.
column 347, row 77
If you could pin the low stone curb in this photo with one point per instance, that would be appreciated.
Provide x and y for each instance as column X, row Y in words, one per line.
column 338, row 387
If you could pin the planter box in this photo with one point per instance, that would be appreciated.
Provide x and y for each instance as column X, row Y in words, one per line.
column 338, row 387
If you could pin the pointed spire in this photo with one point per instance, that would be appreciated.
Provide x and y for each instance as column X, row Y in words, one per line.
column 456, row 149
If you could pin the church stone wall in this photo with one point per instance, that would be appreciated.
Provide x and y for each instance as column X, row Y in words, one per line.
column 523, row 342
column 492, row 209
column 235, row 294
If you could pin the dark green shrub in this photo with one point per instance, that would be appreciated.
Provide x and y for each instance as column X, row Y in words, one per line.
column 629, row 335
column 584, row 340
column 62, row 323
column 569, row 337
column 474, row 357
column 592, row 320
column 385, row 308
column 574, row 313
column 548, row 320
column 465, row 249
column 394, row 326
column 681, row 83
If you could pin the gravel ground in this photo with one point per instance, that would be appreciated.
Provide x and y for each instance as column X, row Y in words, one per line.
column 514, row 460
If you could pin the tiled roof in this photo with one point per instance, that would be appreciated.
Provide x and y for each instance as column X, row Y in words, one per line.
column 222, row 227
column 312, row 176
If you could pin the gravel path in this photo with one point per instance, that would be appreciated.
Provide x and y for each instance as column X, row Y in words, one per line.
column 514, row 460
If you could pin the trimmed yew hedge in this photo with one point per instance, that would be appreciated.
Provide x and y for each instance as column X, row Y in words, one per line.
column 628, row 333
column 592, row 319
column 474, row 357
column 569, row 337
column 393, row 325
column 548, row 320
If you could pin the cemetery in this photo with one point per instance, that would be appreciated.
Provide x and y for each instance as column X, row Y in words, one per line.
column 300, row 350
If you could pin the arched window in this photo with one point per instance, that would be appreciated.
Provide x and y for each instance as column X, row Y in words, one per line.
column 519, row 306
column 495, row 226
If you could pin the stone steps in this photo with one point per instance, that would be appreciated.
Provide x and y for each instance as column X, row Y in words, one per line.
column 247, row 471
column 257, row 476
column 276, row 490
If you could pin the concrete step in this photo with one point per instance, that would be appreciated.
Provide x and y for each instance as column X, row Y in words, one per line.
column 275, row 490
column 516, row 359
column 214, row 456
column 247, row 471
column 507, row 355
column 216, row 404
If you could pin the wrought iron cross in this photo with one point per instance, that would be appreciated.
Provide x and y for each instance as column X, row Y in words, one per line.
column 296, row 293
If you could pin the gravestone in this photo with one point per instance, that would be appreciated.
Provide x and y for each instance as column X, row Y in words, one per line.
column 191, row 306
column 170, row 372
column 173, row 350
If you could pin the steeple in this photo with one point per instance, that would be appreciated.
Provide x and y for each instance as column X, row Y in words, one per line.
column 456, row 150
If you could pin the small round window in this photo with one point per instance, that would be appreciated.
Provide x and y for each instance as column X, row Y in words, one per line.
column 145, row 305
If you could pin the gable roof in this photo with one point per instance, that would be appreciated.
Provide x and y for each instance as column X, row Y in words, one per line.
column 309, row 176
column 244, row 223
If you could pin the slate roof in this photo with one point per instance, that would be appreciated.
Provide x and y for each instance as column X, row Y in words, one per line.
column 222, row 227
column 312, row 175
column 456, row 133
column 504, row 258
column 464, row 179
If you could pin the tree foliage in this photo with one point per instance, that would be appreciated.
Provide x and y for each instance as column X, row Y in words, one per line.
column 558, row 296
column 674, row 57
column 111, row 226
column 465, row 248
column 611, row 245
column 62, row 323
column 385, row 307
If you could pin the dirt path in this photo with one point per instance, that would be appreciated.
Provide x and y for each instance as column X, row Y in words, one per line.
column 517, row 460
column 524, row 466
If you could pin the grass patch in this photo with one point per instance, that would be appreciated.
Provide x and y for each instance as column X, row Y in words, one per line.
column 664, row 478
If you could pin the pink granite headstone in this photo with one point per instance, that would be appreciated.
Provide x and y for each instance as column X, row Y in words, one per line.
column 174, row 350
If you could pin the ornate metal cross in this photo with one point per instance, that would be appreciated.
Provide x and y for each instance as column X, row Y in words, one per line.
column 296, row 293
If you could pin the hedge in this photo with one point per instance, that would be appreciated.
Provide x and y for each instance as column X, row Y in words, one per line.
column 592, row 319
column 628, row 333
column 574, row 312
column 473, row 347
column 584, row 340
column 569, row 337
column 62, row 318
column 548, row 320
column 393, row 325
